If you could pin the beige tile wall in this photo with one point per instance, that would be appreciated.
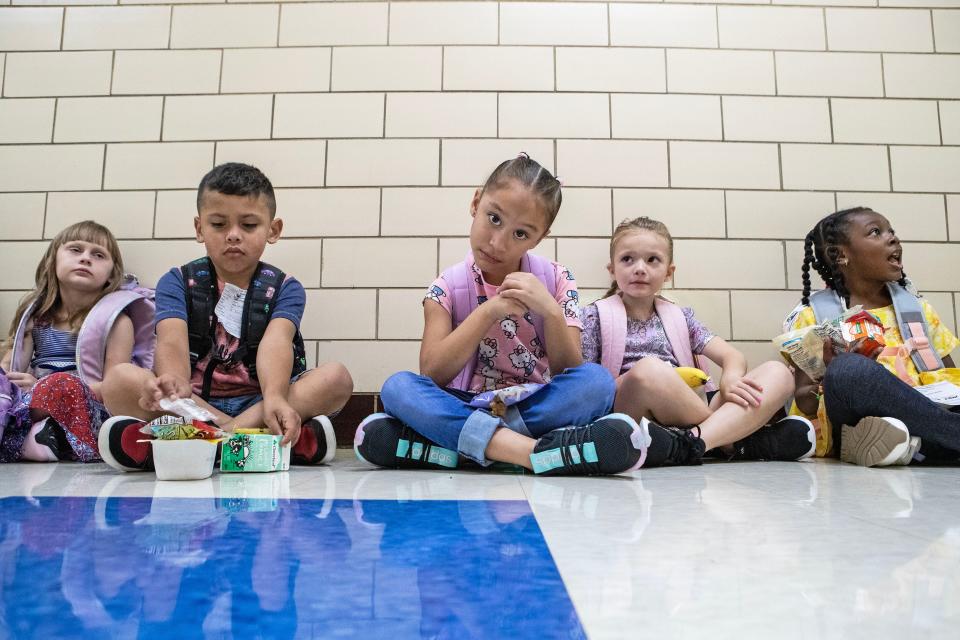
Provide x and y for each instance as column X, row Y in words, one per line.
column 739, row 124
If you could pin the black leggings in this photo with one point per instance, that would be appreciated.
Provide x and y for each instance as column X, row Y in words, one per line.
column 856, row 387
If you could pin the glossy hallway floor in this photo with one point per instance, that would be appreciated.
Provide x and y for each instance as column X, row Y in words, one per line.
column 748, row 550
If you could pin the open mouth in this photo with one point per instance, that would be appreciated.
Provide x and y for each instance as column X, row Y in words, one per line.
column 896, row 260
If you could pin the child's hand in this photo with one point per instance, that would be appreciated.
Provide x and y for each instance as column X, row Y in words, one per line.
column 499, row 307
column 281, row 419
column 165, row 385
column 741, row 390
column 23, row 380
column 526, row 289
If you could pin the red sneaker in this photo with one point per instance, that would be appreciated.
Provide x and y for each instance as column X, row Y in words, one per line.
column 317, row 443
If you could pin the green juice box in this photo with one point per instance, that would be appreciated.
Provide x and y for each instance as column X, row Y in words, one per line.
column 250, row 450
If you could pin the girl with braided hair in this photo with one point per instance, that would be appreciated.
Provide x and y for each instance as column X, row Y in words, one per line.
column 877, row 418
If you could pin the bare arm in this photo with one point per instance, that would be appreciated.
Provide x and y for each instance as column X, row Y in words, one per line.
column 731, row 360
column 562, row 343
column 444, row 350
column 119, row 347
column 173, row 349
column 274, row 366
column 275, row 358
column 735, row 386
column 806, row 395
column 171, row 364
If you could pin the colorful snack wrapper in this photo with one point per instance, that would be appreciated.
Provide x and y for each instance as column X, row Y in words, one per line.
column 176, row 428
column 855, row 331
column 498, row 401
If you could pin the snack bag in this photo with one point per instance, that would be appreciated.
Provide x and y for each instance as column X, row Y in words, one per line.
column 498, row 401
column 855, row 331
column 178, row 428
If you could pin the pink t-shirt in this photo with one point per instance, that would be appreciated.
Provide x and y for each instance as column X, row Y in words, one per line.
column 511, row 353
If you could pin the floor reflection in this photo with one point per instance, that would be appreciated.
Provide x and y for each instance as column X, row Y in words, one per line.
column 253, row 565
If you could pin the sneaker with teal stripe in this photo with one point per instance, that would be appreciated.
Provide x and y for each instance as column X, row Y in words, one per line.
column 613, row 444
column 384, row 441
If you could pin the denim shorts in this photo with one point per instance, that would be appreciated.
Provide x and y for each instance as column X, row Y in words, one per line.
column 236, row 405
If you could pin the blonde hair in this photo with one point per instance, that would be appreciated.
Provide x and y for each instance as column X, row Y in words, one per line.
column 46, row 294
column 643, row 223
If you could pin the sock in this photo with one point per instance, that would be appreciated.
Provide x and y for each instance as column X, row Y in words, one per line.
column 37, row 451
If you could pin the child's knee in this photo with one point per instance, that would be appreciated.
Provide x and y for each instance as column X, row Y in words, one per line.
column 776, row 373
column 398, row 387
column 649, row 372
column 335, row 379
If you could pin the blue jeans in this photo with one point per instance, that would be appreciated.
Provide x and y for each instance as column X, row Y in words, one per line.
column 575, row 397
column 236, row 405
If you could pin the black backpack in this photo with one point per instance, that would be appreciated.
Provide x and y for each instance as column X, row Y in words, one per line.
column 200, row 282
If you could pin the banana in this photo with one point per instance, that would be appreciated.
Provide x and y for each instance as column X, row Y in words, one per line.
column 692, row 376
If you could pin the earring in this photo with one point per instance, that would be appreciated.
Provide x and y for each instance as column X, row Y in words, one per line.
column 842, row 262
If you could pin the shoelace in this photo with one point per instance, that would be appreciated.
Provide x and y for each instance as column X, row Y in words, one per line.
column 576, row 438
column 683, row 449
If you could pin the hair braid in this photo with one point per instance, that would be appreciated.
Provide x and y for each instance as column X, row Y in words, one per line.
column 808, row 258
column 821, row 250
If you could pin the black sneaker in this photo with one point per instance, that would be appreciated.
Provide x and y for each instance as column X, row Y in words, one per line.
column 52, row 435
column 384, row 441
column 613, row 444
column 122, row 445
column 673, row 446
column 793, row 438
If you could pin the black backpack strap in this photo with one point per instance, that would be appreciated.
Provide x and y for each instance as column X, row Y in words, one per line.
column 200, row 284
column 257, row 312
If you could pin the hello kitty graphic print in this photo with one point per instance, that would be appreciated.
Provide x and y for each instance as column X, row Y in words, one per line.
column 511, row 353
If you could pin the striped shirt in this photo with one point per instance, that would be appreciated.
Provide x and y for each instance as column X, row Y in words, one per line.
column 53, row 350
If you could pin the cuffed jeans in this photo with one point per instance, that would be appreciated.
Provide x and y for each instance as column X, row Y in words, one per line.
column 577, row 396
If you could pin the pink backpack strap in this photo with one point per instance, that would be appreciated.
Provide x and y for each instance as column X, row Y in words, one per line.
column 613, row 333
column 463, row 300
column 463, row 295
column 19, row 358
column 138, row 304
column 678, row 334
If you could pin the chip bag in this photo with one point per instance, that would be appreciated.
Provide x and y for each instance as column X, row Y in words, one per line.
column 498, row 401
column 856, row 331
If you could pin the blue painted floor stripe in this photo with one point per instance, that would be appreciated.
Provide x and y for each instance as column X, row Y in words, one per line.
column 236, row 568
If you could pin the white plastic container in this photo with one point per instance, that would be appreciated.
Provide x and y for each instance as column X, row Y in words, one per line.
column 184, row 459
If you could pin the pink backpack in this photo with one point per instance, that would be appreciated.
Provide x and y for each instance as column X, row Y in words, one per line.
column 613, row 334
column 136, row 301
column 463, row 297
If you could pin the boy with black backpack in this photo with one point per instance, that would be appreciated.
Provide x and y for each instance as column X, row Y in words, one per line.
column 228, row 336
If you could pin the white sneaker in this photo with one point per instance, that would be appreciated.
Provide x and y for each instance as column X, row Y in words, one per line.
column 907, row 457
column 875, row 442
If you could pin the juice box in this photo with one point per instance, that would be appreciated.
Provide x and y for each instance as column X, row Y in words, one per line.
column 254, row 450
